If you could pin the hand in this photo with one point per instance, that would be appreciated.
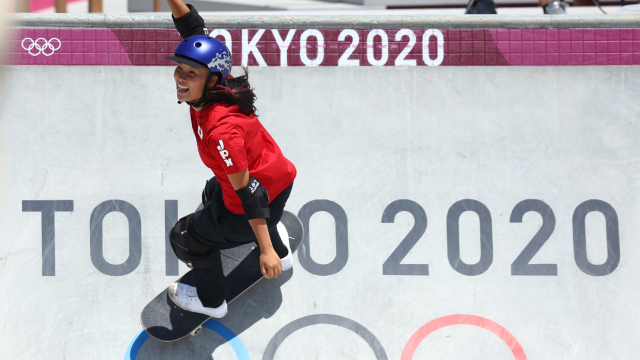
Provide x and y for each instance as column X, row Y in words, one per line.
column 270, row 264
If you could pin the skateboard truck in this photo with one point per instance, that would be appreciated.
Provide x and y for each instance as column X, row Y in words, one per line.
column 196, row 331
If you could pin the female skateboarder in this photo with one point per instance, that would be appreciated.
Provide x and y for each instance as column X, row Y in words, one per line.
column 245, row 199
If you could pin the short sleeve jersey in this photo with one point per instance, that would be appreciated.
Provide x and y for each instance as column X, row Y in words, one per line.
column 229, row 142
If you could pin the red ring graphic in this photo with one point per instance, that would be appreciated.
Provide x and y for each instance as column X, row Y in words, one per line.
column 462, row 319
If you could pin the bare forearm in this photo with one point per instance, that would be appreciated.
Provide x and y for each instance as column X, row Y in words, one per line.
column 178, row 8
column 270, row 263
column 261, row 230
column 259, row 226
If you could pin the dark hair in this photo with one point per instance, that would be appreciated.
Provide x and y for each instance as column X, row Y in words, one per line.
column 236, row 91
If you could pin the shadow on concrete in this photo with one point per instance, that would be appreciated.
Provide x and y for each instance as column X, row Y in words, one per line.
column 260, row 302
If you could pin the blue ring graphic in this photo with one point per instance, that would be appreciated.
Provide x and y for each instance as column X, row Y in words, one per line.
column 225, row 332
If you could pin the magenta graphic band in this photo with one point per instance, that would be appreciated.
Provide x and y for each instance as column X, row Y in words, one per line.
column 341, row 47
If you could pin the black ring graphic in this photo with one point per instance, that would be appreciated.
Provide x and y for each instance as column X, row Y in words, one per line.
column 290, row 328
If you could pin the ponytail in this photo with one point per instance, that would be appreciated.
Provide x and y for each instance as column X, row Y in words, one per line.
column 236, row 91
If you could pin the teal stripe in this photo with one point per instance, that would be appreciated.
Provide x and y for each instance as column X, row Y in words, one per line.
column 135, row 345
column 225, row 332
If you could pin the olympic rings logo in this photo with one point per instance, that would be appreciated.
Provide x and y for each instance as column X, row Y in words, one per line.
column 47, row 49
column 407, row 353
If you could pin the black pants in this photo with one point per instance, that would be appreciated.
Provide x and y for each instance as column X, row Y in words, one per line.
column 218, row 228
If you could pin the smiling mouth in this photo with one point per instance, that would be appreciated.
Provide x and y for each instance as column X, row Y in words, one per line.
column 182, row 89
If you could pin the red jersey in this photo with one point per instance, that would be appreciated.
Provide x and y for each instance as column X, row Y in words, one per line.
column 229, row 142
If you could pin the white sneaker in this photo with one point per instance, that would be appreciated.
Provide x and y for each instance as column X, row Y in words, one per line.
column 186, row 297
column 287, row 261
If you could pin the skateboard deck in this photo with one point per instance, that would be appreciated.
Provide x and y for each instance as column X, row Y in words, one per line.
column 165, row 321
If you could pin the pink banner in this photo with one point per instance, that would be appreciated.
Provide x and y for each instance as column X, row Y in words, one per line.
column 343, row 47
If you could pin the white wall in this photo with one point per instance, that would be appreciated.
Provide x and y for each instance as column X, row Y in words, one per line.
column 362, row 138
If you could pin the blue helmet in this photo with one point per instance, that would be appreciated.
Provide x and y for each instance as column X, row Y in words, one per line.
column 205, row 52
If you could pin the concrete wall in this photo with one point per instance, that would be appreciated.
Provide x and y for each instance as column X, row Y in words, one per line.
column 395, row 20
column 453, row 212
column 373, row 141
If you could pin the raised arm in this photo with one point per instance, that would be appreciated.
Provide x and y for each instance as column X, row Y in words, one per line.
column 178, row 8
column 186, row 19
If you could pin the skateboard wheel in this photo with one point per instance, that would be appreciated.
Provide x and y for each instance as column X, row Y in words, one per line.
column 196, row 331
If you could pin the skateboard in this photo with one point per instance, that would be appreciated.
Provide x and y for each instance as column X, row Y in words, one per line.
column 165, row 321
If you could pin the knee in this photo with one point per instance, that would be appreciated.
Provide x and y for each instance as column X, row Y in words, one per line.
column 188, row 249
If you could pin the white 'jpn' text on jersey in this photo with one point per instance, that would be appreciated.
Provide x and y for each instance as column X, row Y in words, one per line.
column 224, row 153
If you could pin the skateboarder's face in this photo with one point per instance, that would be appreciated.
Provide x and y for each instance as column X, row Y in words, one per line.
column 190, row 81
